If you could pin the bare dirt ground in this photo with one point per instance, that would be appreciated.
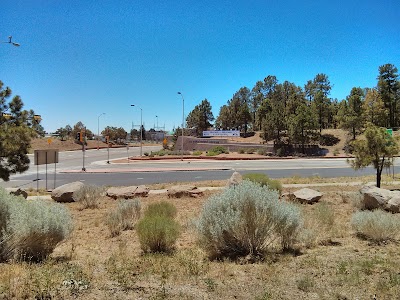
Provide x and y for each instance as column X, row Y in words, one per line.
column 93, row 265
column 67, row 145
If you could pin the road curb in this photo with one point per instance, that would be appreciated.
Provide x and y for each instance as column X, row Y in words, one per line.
column 104, row 171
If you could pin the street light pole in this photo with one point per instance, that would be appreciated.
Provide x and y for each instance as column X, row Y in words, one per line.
column 183, row 121
column 98, row 129
column 141, row 127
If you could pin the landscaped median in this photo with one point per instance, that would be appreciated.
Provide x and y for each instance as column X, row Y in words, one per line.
column 212, row 246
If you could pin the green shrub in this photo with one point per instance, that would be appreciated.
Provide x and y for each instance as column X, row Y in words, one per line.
column 219, row 150
column 241, row 151
column 157, row 233
column 377, row 225
column 161, row 152
column 89, row 196
column 245, row 219
column 162, row 208
column 211, row 153
column 197, row 153
column 177, row 152
column 250, row 151
column 124, row 217
column 262, row 151
column 264, row 180
column 336, row 152
column 31, row 229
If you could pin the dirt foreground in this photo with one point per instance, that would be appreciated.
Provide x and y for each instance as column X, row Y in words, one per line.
column 330, row 261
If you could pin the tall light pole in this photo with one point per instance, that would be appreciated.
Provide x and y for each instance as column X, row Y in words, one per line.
column 141, row 126
column 183, row 121
column 98, row 129
column 11, row 42
column 157, row 123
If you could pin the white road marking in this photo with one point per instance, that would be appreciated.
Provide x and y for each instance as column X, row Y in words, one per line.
column 139, row 178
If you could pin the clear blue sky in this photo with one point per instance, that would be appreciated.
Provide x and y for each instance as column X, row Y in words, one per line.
column 79, row 59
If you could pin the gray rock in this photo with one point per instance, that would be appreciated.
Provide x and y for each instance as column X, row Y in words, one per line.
column 128, row 192
column 307, row 195
column 179, row 191
column 17, row 192
column 235, row 179
column 374, row 198
column 65, row 193
column 393, row 204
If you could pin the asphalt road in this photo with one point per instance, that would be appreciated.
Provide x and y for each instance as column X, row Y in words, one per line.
column 98, row 172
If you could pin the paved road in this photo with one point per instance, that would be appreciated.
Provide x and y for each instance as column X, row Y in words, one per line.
column 144, row 172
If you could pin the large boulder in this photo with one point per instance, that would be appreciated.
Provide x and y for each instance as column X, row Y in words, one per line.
column 17, row 192
column 66, row 192
column 374, row 197
column 179, row 191
column 307, row 195
column 128, row 192
column 235, row 179
column 377, row 198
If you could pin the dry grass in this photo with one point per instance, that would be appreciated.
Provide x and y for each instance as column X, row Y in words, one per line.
column 93, row 265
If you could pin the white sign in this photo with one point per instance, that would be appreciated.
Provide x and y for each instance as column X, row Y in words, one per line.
column 221, row 133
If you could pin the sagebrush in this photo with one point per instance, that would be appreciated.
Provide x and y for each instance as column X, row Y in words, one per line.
column 245, row 220
column 89, row 195
column 377, row 225
column 31, row 230
column 124, row 217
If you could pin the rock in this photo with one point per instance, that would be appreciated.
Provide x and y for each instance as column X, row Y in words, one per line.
column 288, row 196
column 128, row 192
column 367, row 187
column 17, row 192
column 179, row 191
column 307, row 195
column 65, row 193
column 235, row 179
column 374, row 198
column 393, row 204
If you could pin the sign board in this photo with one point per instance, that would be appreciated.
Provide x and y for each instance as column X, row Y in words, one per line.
column 49, row 156
column 390, row 131
column 221, row 133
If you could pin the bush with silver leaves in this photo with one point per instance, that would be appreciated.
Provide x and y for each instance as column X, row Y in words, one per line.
column 245, row 220
column 31, row 229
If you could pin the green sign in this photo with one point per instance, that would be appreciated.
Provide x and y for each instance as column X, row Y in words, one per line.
column 390, row 131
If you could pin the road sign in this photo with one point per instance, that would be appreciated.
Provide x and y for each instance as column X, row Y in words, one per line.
column 390, row 131
column 49, row 140
column 49, row 156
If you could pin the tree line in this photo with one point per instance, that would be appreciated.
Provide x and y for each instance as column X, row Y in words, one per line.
column 286, row 113
column 113, row 133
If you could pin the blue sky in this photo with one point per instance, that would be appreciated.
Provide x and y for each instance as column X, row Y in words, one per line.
column 79, row 59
